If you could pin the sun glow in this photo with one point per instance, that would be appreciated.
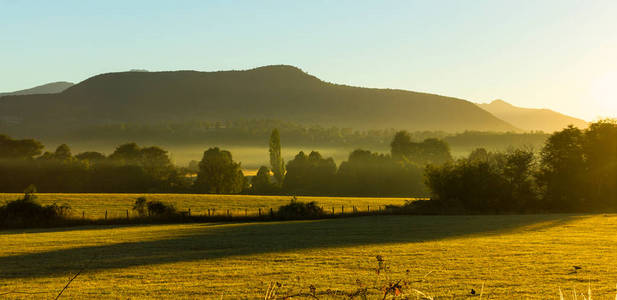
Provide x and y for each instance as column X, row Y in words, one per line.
column 604, row 94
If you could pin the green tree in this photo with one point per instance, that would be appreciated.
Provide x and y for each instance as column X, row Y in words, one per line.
column 19, row 149
column 261, row 184
column 372, row 174
column 310, row 175
column 276, row 160
column 63, row 153
column 156, row 162
column 430, row 151
column 518, row 171
column 479, row 155
column 562, row 170
column 399, row 147
column 218, row 173
column 129, row 153
column 91, row 156
column 600, row 151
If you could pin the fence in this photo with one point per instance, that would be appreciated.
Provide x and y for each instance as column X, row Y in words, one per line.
column 229, row 213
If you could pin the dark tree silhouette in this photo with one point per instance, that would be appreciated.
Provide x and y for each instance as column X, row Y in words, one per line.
column 276, row 160
column 310, row 175
column 562, row 170
column 19, row 149
column 261, row 183
column 430, row 151
column 218, row 173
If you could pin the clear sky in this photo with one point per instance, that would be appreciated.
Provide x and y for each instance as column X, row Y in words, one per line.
column 557, row 54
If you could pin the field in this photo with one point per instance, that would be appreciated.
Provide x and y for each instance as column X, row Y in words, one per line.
column 94, row 205
column 510, row 256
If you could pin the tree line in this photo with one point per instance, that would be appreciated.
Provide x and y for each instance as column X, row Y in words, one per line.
column 254, row 132
column 130, row 168
column 364, row 173
column 135, row 169
column 576, row 170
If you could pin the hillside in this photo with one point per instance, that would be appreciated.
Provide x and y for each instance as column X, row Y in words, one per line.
column 530, row 118
column 50, row 88
column 272, row 92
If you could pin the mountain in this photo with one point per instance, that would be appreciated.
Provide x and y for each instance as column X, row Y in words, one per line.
column 271, row 92
column 50, row 88
column 531, row 118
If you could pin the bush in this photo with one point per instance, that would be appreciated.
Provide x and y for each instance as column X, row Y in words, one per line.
column 158, row 208
column 296, row 209
column 26, row 212
column 153, row 208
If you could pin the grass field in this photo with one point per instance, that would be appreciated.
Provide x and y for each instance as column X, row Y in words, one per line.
column 94, row 205
column 512, row 256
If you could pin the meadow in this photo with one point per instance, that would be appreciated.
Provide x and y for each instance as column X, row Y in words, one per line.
column 445, row 257
column 93, row 206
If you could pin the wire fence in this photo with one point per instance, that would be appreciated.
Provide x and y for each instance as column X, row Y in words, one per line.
column 232, row 212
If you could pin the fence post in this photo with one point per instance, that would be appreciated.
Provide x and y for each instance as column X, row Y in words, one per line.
column 368, row 208
column 342, row 209
column 228, row 214
column 189, row 211
column 83, row 214
column 105, row 215
column 127, row 214
column 246, row 212
column 332, row 210
column 271, row 212
column 260, row 211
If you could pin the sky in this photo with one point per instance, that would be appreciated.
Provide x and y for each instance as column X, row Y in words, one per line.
column 556, row 54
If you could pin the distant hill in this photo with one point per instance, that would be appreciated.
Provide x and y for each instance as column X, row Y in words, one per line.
column 272, row 92
column 50, row 88
column 530, row 118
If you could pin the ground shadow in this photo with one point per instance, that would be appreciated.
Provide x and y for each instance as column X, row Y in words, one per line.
column 204, row 241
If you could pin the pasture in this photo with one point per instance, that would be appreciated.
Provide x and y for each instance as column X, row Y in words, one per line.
column 93, row 206
column 507, row 256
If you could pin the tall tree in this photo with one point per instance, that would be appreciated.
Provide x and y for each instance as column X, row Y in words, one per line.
column 276, row 160
column 600, row 151
column 563, row 170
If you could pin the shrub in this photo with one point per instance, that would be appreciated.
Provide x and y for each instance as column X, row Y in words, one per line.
column 26, row 212
column 140, row 206
column 296, row 209
column 153, row 208
column 158, row 208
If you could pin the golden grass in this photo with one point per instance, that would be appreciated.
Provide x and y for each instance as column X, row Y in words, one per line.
column 505, row 257
column 94, row 205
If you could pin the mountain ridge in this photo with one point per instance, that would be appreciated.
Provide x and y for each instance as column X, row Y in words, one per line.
column 531, row 119
column 48, row 88
column 271, row 92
